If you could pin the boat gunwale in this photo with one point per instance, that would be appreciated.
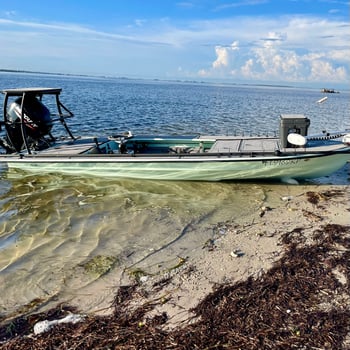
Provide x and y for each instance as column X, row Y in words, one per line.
column 161, row 158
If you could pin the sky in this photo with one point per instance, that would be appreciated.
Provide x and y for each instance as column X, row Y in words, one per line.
column 290, row 42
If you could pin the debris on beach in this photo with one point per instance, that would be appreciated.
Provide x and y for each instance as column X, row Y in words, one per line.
column 300, row 302
column 286, row 198
column 237, row 253
column 317, row 197
column 263, row 210
column 46, row 325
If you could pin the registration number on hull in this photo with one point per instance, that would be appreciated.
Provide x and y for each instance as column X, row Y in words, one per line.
column 280, row 162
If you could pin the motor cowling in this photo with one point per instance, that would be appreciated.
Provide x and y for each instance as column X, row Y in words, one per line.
column 37, row 121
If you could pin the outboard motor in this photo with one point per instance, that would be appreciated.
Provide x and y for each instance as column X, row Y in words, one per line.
column 36, row 122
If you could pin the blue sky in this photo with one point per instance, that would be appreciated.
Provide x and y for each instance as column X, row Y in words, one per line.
column 291, row 42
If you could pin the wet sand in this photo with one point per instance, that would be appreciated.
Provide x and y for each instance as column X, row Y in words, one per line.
column 246, row 249
column 289, row 259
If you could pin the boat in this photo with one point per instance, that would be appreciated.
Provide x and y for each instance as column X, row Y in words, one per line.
column 28, row 143
column 329, row 91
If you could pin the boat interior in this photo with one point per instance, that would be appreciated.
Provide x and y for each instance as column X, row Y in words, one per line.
column 180, row 146
column 177, row 145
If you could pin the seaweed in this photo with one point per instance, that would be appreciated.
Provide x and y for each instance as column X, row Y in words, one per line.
column 100, row 265
column 316, row 197
column 298, row 303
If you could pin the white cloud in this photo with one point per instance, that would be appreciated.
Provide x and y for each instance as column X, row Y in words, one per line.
column 247, row 70
column 221, row 57
column 340, row 55
column 305, row 50
column 271, row 49
column 322, row 70
column 224, row 54
column 140, row 22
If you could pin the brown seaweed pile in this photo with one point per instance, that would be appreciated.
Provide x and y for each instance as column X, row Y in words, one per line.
column 322, row 196
column 301, row 303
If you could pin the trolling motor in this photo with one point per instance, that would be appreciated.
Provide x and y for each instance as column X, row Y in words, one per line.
column 28, row 122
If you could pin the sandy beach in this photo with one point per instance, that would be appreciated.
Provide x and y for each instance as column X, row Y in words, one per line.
column 245, row 249
column 274, row 256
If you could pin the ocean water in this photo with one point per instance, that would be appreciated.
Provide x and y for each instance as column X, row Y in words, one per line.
column 60, row 235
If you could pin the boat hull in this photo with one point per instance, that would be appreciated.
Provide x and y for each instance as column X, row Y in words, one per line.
column 189, row 168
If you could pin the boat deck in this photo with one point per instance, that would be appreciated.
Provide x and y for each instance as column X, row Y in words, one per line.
column 222, row 145
column 69, row 147
column 240, row 145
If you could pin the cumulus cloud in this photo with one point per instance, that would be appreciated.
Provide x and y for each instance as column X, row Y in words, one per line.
column 247, row 70
column 273, row 38
column 223, row 55
column 321, row 70
column 282, row 55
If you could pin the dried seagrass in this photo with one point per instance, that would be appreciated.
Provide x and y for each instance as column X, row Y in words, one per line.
column 301, row 302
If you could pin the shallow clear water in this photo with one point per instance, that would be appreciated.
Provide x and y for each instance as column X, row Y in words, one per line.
column 51, row 226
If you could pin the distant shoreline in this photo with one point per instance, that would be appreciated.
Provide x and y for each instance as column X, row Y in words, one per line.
column 159, row 80
column 44, row 73
column 225, row 83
